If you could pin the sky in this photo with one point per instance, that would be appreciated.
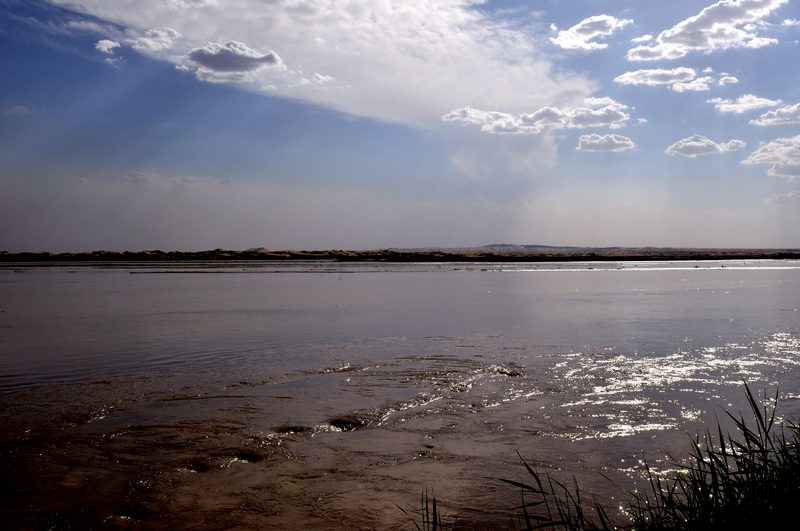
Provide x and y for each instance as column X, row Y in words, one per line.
column 363, row 124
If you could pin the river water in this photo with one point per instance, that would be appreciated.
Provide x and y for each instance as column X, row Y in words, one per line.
column 325, row 395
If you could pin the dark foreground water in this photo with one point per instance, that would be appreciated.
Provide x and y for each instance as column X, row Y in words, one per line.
column 324, row 395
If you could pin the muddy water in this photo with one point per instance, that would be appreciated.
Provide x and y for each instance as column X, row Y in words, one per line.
column 319, row 395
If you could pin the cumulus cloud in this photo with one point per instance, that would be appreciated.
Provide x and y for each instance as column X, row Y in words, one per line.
column 155, row 40
column 681, row 79
column 600, row 112
column 585, row 34
column 376, row 51
column 17, row 110
column 605, row 143
column 657, row 77
column 787, row 115
column 742, row 104
column 233, row 56
column 235, row 62
column 643, row 38
column 597, row 112
column 725, row 24
column 782, row 155
column 699, row 84
column 697, row 145
column 106, row 46
column 727, row 79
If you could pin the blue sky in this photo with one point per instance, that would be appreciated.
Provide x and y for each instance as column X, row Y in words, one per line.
column 191, row 124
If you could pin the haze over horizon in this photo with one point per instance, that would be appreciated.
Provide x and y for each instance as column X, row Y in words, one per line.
column 202, row 124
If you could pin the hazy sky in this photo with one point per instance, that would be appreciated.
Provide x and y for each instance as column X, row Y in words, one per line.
column 194, row 124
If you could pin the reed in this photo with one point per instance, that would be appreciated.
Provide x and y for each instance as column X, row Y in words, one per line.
column 751, row 481
column 748, row 480
column 429, row 514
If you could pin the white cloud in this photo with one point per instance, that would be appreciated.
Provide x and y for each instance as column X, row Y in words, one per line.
column 106, row 46
column 742, row 104
column 377, row 51
column 657, row 77
column 601, row 112
column 680, row 79
column 791, row 22
column 728, row 80
column 699, row 84
column 605, row 143
column 789, row 114
column 585, row 34
column 88, row 26
column 697, row 145
column 654, row 53
column 597, row 112
column 643, row 38
column 155, row 40
column 725, row 24
column 188, row 4
column 17, row 110
column 492, row 121
column 782, row 155
column 317, row 79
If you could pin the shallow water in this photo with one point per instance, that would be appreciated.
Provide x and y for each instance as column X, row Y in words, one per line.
column 324, row 395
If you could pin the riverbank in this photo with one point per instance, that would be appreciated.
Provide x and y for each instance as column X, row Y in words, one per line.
column 490, row 253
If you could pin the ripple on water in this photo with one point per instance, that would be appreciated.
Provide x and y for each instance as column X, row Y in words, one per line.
column 660, row 393
column 300, row 443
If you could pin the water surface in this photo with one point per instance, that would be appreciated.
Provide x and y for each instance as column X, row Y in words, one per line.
column 324, row 395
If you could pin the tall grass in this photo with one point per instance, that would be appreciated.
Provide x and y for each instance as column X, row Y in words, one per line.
column 750, row 480
column 430, row 515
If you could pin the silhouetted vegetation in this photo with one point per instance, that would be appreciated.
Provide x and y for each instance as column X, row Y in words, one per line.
column 750, row 480
column 488, row 253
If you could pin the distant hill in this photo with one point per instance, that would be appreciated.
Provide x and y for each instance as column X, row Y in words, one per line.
column 487, row 253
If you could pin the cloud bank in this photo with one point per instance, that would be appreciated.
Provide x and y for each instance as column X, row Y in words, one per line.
column 466, row 55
